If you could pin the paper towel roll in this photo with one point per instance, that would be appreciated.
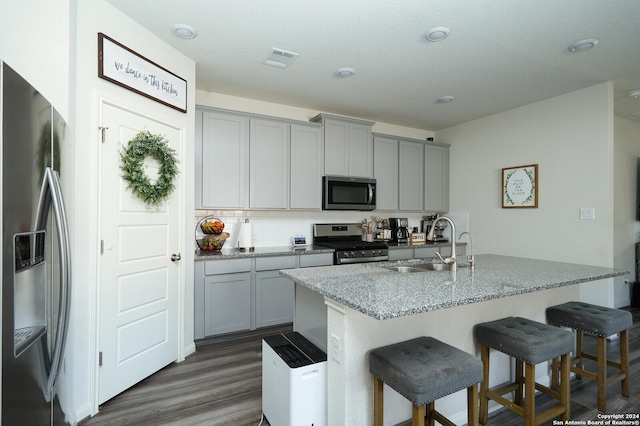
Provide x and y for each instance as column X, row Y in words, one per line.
column 245, row 236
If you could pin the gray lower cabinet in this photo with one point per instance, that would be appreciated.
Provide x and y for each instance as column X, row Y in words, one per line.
column 274, row 293
column 226, row 307
column 274, row 299
column 238, row 295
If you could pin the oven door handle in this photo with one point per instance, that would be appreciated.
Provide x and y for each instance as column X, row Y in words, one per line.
column 363, row 259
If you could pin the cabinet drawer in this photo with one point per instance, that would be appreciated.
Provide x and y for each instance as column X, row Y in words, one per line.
column 214, row 267
column 320, row 259
column 423, row 252
column 400, row 254
column 271, row 263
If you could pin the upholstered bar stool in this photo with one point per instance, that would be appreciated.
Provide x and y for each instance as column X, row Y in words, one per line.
column 600, row 322
column 530, row 343
column 423, row 370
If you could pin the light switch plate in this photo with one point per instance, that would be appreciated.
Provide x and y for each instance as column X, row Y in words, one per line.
column 587, row 213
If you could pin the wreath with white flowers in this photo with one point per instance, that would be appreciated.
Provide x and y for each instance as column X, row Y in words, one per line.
column 144, row 145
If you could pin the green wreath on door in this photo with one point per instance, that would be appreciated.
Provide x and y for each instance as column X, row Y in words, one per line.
column 144, row 145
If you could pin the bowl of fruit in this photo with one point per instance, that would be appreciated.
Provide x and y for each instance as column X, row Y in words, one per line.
column 212, row 226
column 213, row 242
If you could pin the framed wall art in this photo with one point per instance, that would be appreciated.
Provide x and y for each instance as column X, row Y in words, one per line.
column 126, row 68
column 520, row 187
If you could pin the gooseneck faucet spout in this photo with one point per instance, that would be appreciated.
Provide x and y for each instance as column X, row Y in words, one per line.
column 452, row 260
column 470, row 258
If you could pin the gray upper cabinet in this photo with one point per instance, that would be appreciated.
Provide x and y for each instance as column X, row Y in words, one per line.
column 348, row 146
column 221, row 156
column 436, row 178
column 411, row 176
column 269, row 164
column 306, row 167
column 385, row 171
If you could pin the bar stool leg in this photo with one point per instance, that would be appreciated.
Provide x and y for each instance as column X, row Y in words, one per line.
column 579, row 352
column 431, row 407
column 378, row 401
column 472, row 405
column 602, row 373
column 418, row 415
column 484, row 385
column 565, row 362
column 624, row 361
column 529, row 394
column 555, row 376
column 520, row 381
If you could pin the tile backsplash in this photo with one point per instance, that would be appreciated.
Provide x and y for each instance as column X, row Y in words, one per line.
column 277, row 228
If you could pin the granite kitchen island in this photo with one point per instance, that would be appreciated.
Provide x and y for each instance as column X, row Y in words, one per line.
column 348, row 310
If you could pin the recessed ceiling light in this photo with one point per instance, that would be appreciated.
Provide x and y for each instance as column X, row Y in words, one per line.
column 345, row 72
column 583, row 45
column 634, row 93
column 186, row 32
column 445, row 99
column 437, row 34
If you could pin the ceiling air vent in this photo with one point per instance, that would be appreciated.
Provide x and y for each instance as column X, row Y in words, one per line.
column 280, row 58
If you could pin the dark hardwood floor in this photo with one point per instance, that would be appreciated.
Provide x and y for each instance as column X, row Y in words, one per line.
column 221, row 384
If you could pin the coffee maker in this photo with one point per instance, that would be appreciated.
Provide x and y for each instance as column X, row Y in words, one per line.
column 427, row 223
column 399, row 229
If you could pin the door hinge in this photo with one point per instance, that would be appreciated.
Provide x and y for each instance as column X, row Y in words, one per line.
column 102, row 136
column 100, row 359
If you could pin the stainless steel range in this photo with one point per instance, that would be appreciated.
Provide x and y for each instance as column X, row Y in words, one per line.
column 346, row 240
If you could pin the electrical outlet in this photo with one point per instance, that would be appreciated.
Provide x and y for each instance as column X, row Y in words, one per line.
column 335, row 348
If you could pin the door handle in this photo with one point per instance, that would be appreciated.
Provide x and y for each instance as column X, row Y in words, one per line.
column 175, row 257
column 51, row 196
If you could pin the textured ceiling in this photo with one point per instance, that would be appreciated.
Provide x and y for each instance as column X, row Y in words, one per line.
column 500, row 54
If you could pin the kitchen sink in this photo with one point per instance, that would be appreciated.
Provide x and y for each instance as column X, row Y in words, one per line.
column 418, row 267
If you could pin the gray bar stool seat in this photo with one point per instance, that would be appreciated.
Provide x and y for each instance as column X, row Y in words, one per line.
column 423, row 370
column 600, row 322
column 530, row 343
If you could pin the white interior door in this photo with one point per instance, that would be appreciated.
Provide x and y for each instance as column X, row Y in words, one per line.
column 138, row 320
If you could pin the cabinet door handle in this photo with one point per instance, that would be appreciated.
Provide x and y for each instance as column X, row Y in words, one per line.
column 175, row 257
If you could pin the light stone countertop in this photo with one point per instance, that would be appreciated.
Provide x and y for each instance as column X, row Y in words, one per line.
column 232, row 253
column 382, row 294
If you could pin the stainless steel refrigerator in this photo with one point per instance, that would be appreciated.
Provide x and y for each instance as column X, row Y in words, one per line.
column 36, row 269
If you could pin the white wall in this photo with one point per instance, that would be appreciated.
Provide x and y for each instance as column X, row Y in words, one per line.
column 626, row 226
column 570, row 137
column 35, row 43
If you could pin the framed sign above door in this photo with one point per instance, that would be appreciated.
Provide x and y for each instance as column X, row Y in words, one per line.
column 126, row 68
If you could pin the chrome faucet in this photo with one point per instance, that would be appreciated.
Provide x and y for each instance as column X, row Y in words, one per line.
column 470, row 258
column 452, row 261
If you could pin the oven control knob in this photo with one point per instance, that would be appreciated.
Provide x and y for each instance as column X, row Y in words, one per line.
column 353, row 254
column 345, row 254
column 364, row 253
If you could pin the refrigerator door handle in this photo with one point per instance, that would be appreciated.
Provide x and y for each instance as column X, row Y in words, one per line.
column 51, row 196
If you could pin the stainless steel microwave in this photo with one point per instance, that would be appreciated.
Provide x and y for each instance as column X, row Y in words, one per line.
column 346, row 193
